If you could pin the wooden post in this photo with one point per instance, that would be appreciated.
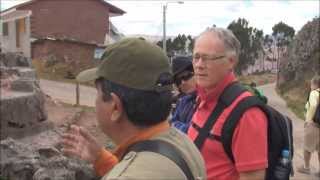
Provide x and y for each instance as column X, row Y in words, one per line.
column 77, row 94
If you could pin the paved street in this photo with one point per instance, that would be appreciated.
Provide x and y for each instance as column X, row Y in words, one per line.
column 66, row 92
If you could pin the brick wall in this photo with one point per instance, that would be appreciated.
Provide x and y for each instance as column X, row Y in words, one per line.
column 82, row 20
column 78, row 56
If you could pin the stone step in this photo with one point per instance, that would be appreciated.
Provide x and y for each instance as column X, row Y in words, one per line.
column 21, row 109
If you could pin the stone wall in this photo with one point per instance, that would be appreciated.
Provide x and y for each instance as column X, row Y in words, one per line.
column 30, row 149
column 21, row 100
column 38, row 157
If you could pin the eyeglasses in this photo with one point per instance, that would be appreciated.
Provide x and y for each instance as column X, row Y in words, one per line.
column 183, row 77
column 205, row 58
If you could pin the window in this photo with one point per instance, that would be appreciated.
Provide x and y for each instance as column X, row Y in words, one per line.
column 98, row 52
column 20, row 28
column 5, row 29
column 17, row 33
column 22, row 25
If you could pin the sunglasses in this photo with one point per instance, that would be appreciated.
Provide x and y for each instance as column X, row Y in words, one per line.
column 183, row 77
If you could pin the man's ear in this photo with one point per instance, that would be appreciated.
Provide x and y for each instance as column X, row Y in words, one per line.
column 117, row 108
column 232, row 62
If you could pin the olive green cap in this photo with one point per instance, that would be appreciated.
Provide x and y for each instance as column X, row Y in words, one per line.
column 132, row 62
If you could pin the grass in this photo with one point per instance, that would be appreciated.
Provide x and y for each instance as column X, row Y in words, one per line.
column 296, row 106
column 259, row 79
column 56, row 72
column 295, row 94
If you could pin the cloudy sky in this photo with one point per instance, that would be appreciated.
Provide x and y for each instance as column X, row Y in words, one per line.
column 192, row 17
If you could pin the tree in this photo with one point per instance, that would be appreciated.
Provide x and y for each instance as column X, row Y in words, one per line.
column 283, row 35
column 251, row 40
column 169, row 46
column 267, row 44
column 191, row 43
column 178, row 44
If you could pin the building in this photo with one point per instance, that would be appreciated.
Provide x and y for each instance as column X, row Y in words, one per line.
column 15, row 32
column 71, row 31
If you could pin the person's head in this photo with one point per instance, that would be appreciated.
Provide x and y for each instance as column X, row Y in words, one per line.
column 315, row 82
column 183, row 74
column 216, row 52
column 253, row 84
column 134, row 84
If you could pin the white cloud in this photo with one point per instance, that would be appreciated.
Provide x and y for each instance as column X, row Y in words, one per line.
column 192, row 17
column 5, row 4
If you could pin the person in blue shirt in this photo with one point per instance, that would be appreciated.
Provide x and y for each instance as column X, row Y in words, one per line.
column 183, row 79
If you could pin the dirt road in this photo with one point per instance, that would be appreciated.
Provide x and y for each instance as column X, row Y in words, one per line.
column 66, row 92
column 279, row 104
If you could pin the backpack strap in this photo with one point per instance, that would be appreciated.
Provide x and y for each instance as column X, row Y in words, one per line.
column 232, row 121
column 165, row 149
column 229, row 94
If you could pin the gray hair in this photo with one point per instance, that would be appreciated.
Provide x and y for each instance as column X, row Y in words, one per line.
column 231, row 43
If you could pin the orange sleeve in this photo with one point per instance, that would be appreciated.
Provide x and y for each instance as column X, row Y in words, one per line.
column 105, row 162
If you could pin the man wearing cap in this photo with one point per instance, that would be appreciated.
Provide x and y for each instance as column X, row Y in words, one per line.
column 184, row 81
column 132, row 105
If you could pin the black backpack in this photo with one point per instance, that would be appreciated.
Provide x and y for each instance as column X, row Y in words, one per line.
column 279, row 129
column 316, row 117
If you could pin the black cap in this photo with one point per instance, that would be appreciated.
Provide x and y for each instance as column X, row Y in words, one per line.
column 180, row 64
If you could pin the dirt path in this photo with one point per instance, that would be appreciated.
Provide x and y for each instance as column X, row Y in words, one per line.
column 66, row 92
column 279, row 104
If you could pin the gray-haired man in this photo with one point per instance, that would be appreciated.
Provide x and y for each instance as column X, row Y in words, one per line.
column 215, row 54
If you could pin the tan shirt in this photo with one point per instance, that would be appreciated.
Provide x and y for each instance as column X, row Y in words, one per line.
column 149, row 165
column 312, row 104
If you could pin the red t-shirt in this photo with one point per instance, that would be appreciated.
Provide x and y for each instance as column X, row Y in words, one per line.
column 249, row 142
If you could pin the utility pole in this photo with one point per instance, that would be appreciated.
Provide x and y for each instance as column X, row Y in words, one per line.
column 164, row 38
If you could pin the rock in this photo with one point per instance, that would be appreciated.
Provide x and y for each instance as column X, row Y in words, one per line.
column 21, row 109
column 36, row 155
column 14, row 59
column 21, row 100
column 23, row 159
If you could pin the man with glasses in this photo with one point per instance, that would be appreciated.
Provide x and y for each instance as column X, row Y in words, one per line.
column 215, row 54
column 183, row 79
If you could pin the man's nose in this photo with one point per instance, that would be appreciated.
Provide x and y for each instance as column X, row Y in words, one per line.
column 199, row 63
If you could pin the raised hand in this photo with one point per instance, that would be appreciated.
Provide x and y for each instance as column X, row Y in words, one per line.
column 80, row 143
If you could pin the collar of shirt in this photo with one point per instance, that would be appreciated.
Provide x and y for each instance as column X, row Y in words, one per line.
column 213, row 94
column 144, row 135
